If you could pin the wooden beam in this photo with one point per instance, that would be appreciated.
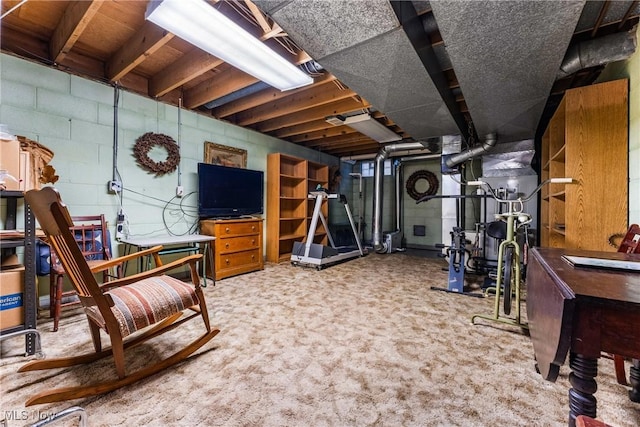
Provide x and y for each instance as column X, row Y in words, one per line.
column 313, row 97
column 77, row 16
column 313, row 126
column 601, row 15
column 260, row 18
column 263, row 97
column 185, row 69
column 223, row 84
column 144, row 43
column 339, row 141
column 309, row 115
column 357, row 150
column 321, row 134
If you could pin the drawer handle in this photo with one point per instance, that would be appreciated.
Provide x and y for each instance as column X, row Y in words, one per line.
column 253, row 257
column 227, row 229
column 253, row 228
column 226, row 246
column 226, row 261
column 253, row 241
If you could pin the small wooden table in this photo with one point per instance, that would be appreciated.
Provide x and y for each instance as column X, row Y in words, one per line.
column 175, row 244
column 582, row 311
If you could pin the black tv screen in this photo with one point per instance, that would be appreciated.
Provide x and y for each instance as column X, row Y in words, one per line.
column 225, row 191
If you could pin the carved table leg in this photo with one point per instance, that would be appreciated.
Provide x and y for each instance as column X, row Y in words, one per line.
column 634, row 379
column 583, row 381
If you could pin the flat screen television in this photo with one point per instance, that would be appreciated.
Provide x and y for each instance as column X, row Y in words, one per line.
column 225, row 191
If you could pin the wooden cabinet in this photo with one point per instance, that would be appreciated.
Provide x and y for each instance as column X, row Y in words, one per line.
column 587, row 140
column 238, row 245
column 289, row 209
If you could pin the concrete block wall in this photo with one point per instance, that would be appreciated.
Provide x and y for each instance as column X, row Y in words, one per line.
column 427, row 214
column 74, row 117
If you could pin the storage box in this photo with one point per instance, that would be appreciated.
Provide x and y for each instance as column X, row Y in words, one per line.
column 11, row 297
column 10, row 161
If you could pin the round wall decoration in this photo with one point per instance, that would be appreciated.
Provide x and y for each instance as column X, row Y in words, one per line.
column 148, row 141
column 431, row 179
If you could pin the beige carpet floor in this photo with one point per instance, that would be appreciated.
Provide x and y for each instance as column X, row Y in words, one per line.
column 363, row 343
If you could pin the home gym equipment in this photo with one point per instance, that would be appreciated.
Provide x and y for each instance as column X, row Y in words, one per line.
column 457, row 251
column 310, row 254
column 509, row 254
column 457, row 264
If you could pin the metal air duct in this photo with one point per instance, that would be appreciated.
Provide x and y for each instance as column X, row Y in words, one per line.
column 378, row 173
column 600, row 51
column 456, row 159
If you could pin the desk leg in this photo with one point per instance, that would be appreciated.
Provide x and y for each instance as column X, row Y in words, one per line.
column 634, row 379
column 583, row 381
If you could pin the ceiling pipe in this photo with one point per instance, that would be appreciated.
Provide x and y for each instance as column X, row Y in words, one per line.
column 456, row 159
column 419, row 157
column 600, row 51
column 378, row 245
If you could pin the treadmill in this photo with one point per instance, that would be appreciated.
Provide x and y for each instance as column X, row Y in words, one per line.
column 310, row 254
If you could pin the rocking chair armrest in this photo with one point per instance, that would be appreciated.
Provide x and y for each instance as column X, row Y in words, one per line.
column 96, row 268
column 190, row 259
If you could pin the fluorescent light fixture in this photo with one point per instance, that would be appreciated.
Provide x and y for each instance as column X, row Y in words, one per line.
column 205, row 27
column 367, row 125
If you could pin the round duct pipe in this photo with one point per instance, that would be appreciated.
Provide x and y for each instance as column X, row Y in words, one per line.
column 600, row 51
column 378, row 173
column 456, row 159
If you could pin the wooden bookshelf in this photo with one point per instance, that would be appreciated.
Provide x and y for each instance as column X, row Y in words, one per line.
column 587, row 140
column 289, row 210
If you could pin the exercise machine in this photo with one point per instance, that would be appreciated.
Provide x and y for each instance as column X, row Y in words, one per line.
column 457, row 264
column 457, row 251
column 310, row 254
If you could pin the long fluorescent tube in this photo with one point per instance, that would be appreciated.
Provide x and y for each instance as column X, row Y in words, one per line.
column 366, row 125
column 203, row 26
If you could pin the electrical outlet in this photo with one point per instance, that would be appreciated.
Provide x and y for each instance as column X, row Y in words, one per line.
column 119, row 231
column 120, row 227
column 114, row 186
column 179, row 191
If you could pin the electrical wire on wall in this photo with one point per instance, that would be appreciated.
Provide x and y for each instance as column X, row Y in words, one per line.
column 179, row 189
column 115, row 185
column 173, row 214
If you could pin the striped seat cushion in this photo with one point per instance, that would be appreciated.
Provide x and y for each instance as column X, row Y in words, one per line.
column 146, row 302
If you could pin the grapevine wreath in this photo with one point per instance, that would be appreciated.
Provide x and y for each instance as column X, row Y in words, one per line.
column 146, row 142
column 430, row 177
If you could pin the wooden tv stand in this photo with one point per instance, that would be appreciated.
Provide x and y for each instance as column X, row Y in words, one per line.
column 238, row 245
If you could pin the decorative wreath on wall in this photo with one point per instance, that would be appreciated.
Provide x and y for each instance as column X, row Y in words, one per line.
column 149, row 140
column 430, row 177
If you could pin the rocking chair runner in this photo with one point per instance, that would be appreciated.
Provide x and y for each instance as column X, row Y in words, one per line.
column 150, row 300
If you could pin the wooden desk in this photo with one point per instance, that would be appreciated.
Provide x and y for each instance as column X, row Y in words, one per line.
column 581, row 311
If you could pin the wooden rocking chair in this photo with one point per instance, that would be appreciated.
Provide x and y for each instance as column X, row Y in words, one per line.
column 115, row 306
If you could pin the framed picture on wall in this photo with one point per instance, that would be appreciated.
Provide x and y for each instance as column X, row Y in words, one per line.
column 217, row 154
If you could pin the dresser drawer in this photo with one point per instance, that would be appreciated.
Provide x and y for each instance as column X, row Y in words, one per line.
column 237, row 229
column 238, row 246
column 235, row 244
column 238, row 259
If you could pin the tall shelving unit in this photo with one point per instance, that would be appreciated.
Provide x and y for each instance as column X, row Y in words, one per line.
column 26, row 239
column 289, row 210
column 587, row 140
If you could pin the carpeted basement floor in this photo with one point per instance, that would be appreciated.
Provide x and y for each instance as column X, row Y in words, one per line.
column 363, row 343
